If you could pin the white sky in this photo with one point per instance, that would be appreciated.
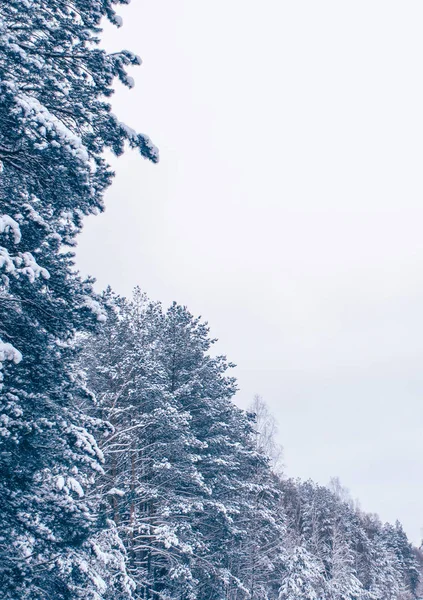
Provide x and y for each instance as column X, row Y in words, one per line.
column 287, row 209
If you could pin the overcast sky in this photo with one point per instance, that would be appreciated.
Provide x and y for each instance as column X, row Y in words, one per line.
column 287, row 209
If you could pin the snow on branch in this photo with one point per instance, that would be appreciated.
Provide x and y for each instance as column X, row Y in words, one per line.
column 95, row 308
column 23, row 263
column 8, row 224
column 48, row 125
column 9, row 352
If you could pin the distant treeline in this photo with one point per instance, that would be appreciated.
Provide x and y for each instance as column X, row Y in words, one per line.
column 195, row 498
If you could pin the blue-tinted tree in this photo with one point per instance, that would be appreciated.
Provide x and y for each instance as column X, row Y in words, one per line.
column 55, row 123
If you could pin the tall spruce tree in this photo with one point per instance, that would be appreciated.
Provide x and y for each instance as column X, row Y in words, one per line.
column 55, row 123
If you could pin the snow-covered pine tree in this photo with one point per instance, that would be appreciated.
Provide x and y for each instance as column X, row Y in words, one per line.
column 343, row 583
column 151, row 476
column 304, row 577
column 200, row 512
column 385, row 575
column 242, row 493
column 318, row 517
column 360, row 558
column 263, row 551
column 394, row 571
column 55, row 123
column 397, row 541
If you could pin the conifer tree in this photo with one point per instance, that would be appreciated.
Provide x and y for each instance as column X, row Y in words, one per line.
column 343, row 583
column 242, row 537
column 191, row 493
column 304, row 577
column 55, row 123
column 126, row 470
column 151, row 477
column 192, row 496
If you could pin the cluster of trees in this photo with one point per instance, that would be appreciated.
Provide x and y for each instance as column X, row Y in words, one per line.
column 126, row 470
column 195, row 485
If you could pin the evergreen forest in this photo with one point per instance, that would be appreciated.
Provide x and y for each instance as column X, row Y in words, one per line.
column 127, row 469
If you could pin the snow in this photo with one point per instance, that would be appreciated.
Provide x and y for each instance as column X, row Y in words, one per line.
column 99, row 583
column 46, row 122
column 131, row 133
column 75, row 486
column 86, row 442
column 35, row 216
column 60, row 482
column 165, row 534
column 31, row 268
column 164, row 464
column 95, row 307
column 9, row 352
column 133, row 136
column 6, row 261
column 116, row 492
column 8, row 224
column 22, row 264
